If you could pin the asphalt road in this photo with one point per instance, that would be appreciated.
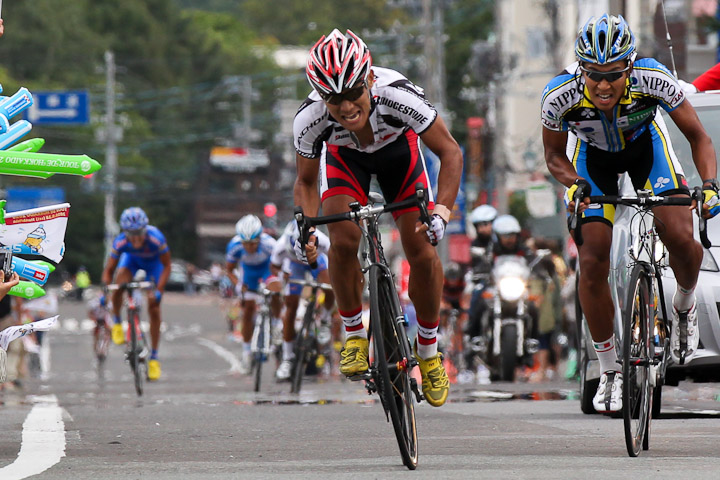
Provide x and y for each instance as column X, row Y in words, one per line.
column 202, row 420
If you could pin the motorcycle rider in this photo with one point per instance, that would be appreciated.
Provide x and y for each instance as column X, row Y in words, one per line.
column 481, row 252
column 507, row 232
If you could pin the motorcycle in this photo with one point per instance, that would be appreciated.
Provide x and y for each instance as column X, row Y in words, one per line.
column 509, row 322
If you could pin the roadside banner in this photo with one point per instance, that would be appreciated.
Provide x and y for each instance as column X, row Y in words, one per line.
column 38, row 231
column 14, row 332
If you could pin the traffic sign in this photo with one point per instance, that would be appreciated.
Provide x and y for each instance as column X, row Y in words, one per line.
column 61, row 108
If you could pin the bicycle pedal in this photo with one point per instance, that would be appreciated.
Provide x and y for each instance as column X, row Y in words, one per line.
column 414, row 387
column 360, row 376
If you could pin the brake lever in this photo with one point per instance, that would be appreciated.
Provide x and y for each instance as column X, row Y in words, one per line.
column 702, row 222
column 576, row 225
column 304, row 230
column 421, row 195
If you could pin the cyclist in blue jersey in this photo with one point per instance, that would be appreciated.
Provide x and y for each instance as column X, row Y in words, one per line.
column 251, row 249
column 601, row 119
column 139, row 247
column 284, row 260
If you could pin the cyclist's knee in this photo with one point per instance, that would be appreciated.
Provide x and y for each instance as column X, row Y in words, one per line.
column 425, row 262
column 343, row 248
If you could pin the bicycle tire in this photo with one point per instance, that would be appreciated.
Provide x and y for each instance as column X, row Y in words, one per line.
column 302, row 341
column 134, row 357
column 392, row 348
column 259, row 354
column 638, row 352
column 508, row 359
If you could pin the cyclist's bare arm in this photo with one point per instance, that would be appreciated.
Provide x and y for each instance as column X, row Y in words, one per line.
column 305, row 192
column 439, row 140
column 276, row 270
column 306, row 195
column 703, row 152
column 559, row 165
column 230, row 271
column 162, row 281
column 109, row 270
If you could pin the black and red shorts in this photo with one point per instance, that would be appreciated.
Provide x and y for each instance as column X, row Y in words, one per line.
column 398, row 167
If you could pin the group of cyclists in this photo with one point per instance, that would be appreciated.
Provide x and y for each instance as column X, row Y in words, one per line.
column 600, row 119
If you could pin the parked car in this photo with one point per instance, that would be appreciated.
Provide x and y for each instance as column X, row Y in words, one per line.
column 705, row 366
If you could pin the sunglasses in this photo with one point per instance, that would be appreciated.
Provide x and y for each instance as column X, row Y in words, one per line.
column 351, row 95
column 135, row 233
column 596, row 76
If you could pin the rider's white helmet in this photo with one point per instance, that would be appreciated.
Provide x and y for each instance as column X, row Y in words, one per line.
column 249, row 228
column 483, row 213
column 505, row 225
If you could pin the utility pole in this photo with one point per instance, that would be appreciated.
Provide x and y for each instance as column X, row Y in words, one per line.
column 434, row 52
column 247, row 109
column 110, row 170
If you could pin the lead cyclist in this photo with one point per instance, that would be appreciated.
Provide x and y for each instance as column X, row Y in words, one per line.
column 601, row 119
column 360, row 121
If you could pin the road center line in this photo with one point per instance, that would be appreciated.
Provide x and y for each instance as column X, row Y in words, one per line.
column 223, row 353
column 43, row 440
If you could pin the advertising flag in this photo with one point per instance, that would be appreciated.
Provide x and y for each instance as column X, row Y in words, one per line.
column 38, row 231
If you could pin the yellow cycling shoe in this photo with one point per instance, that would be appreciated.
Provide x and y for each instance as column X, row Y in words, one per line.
column 354, row 357
column 153, row 370
column 118, row 336
column 435, row 383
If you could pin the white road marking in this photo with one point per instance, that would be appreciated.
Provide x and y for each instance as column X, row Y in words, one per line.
column 223, row 353
column 43, row 440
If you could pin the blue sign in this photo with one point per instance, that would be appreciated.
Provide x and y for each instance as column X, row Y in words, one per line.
column 59, row 108
column 25, row 198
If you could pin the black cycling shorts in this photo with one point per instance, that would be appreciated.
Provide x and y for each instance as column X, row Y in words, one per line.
column 397, row 166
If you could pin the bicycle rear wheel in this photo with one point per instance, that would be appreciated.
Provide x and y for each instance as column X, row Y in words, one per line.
column 302, row 347
column 392, row 363
column 638, row 352
column 135, row 347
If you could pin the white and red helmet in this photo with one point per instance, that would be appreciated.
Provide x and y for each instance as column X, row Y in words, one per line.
column 338, row 62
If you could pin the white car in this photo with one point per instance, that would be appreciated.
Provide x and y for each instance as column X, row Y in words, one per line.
column 705, row 366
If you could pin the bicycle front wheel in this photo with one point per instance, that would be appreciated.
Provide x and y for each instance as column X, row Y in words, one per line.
column 260, row 356
column 638, row 352
column 135, row 349
column 302, row 347
column 392, row 362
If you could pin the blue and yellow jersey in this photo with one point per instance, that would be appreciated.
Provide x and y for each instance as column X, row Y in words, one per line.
column 566, row 105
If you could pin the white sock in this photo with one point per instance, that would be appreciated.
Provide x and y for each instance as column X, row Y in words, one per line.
column 287, row 350
column 246, row 347
column 427, row 351
column 683, row 299
column 607, row 355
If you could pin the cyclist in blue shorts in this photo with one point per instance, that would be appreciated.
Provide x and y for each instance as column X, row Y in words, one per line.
column 251, row 249
column 139, row 247
column 601, row 119
column 284, row 259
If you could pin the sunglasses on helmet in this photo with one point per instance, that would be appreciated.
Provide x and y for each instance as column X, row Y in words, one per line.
column 596, row 76
column 351, row 95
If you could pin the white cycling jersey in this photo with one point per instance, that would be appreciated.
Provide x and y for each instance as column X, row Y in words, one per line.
column 397, row 105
